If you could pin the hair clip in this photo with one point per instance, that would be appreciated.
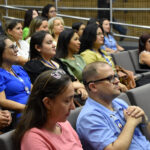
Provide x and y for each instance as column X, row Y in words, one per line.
column 58, row 73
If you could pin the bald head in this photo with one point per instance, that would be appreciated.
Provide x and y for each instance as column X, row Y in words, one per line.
column 92, row 71
column 100, row 81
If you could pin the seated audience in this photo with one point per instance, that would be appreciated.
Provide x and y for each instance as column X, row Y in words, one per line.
column 15, row 83
column 29, row 15
column 91, row 41
column 37, row 24
column 49, row 11
column 106, row 122
column 144, row 50
column 78, row 27
column 44, row 123
column 42, row 50
column 67, row 48
column 110, row 44
column 14, row 32
column 56, row 26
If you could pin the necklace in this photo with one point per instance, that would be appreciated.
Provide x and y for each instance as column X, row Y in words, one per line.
column 51, row 64
column 22, row 81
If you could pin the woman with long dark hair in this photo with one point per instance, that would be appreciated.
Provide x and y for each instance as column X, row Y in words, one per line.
column 110, row 44
column 91, row 41
column 49, row 11
column 67, row 48
column 29, row 15
column 43, row 124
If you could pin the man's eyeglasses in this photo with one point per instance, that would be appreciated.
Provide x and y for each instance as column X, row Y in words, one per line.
column 110, row 78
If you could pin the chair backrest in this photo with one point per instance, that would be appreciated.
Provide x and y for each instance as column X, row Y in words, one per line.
column 6, row 142
column 123, row 59
column 73, row 116
column 124, row 97
column 135, row 58
column 134, row 54
column 140, row 96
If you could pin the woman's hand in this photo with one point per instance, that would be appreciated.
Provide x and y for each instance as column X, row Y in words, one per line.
column 83, row 93
column 123, row 88
column 5, row 118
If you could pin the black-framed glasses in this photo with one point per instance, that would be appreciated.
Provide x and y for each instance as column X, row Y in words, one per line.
column 110, row 78
column 14, row 47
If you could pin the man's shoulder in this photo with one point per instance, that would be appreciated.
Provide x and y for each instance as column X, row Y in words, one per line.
column 90, row 110
column 120, row 101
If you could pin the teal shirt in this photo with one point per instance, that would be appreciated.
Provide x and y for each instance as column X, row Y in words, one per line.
column 75, row 67
column 25, row 32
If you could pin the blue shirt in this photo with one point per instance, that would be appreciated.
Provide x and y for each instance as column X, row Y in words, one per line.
column 109, row 42
column 13, row 87
column 98, row 126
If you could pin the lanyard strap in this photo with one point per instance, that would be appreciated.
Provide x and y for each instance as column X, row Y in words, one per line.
column 117, row 122
column 103, row 55
column 50, row 64
column 109, row 62
column 22, row 81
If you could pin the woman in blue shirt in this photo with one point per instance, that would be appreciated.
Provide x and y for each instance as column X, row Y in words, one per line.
column 110, row 44
column 15, row 83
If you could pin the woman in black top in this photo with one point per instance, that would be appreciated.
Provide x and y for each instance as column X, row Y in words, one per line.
column 42, row 50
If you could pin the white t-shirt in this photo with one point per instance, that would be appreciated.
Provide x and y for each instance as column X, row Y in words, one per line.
column 23, row 50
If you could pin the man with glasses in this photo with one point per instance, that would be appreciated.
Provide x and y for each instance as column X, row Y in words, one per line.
column 106, row 122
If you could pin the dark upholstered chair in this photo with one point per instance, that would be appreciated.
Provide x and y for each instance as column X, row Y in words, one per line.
column 140, row 96
column 134, row 54
column 123, row 59
column 73, row 116
column 125, row 98
column 6, row 142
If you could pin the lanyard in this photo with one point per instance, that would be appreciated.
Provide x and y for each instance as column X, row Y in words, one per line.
column 22, row 81
column 109, row 62
column 50, row 64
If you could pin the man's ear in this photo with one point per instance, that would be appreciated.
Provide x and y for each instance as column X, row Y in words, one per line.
column 38, row 48
column 47, row 103
column 92, row 87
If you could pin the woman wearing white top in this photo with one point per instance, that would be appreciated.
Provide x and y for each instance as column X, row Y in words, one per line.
column 14, row 32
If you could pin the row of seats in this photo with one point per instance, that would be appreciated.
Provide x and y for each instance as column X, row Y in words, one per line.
column 129, row 60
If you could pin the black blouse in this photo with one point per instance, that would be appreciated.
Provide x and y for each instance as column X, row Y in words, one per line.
column 36, row 67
